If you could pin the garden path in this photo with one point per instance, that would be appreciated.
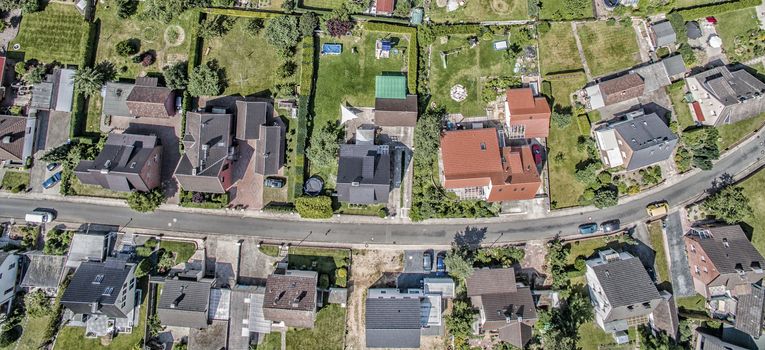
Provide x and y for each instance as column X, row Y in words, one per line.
column 587, row 71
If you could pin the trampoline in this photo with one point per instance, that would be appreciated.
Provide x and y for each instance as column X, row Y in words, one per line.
column 611, row 3
column 313, row 186
column 331, row 49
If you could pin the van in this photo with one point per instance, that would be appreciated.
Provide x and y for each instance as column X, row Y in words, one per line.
column 657, row 209
column 38, row 217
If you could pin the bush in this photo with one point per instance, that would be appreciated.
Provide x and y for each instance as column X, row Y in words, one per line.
column 36, row 304
column 126, row 8
column 205, row 80
column 176, row 76
column 254, row 26
column 282, row 32
column 146, row 201
column 127, row 47
column 323, row 281
column 29, row 6
column 319, row 207
column 324, row 145
column 605, row 197
column 580, row 264
column 143, row 268
column 57, row 242
column 308, row 23
column 341, row 277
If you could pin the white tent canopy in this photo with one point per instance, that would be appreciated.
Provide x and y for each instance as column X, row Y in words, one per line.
column 346, row 114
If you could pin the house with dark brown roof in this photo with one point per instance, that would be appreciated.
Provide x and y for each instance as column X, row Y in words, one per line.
column 128, row 162
column 728, row 271
column 256, row 123
column 393, row 106
column 477, row 164
column 290, row 298
column 613, row 91
column 526, row 115
column 206, row 165
column 144, row 99
column 17, row 138
column 506, row 308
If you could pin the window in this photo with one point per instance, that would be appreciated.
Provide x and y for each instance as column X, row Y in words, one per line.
column 8, row 291
column 696, row 267
column 225, row 167
column 98, row 279
column 11, row 266
column 1, row 276
column 108, row 291
column 703, row 258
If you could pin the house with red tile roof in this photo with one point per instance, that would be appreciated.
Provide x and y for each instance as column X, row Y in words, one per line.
column 526, row 116
column 476, row 164
column 385, row 7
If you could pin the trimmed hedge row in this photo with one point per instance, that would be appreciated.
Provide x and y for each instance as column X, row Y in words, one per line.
column 297, row 169
column 306, row 66
column 715, row 9
column 243, row 13
column 80, row 104
column 412, row 59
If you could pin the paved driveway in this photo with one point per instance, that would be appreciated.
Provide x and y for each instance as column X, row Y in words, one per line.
column 52, row 131
column 682, row 282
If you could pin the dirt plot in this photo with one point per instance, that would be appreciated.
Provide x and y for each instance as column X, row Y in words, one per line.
column 370, row 267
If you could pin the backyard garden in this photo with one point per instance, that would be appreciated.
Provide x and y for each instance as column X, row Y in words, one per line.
column 608, row 47
column 56, row 34
column 480, row 10
column 557, row 48
column 735, row 28
column 328, row 333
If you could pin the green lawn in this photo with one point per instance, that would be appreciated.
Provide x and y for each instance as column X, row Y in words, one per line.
column 557, row 49
column 732, row 24
column 182, row 250
column 656, row 236
column 676, row 92
column 93, row 122
column 15, row 181
column 481, row 10
column 585, row 248
column 323, row 260
column 151, row 35
column 349, row 78
column 732, row 133
column 269, row 249
column 591, row 337
column 753, row 189
column 558, row 10
column 251, row 68
column 54, row 34
column 694, row 303
column 564, row 188
column 33, row 329
column 461, row 69
column 608, row 49
column 328, row 333
column 80, row 189
column 322, row 4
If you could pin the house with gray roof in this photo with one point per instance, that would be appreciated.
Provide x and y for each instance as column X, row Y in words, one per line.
column 662, row 34
column 128, row 162
column 207, row 163
column 17, row 138
column 393, row 319
column 256, row 124
column 142, row 99
column 634, row 141
column 621, row 292
column 101, row 289
column 364, row 173
column 43, row 272
column 707, row 341
column 720, row 96
column 290, row 298
column 184, row 303
column 56, row 92
column 505, row 306
column 89, row 246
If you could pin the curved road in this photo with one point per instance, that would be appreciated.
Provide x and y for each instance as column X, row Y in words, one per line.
column 740, row 162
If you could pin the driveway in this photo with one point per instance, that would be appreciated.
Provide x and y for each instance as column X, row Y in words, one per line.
column 52, row 131
column 682, row 282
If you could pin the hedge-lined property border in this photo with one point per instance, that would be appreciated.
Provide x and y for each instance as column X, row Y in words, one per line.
column 715, row 9
column 243, row 13
column 79, row 118
column 412, row 52
column 297, row 168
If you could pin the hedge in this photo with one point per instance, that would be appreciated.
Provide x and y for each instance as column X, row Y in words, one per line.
column 242, row 13
column 411, row 78
column 87, row 56
column 319, row 207
column 715, row 9
column 297, row 168
column 195, row 56
column 307, row 66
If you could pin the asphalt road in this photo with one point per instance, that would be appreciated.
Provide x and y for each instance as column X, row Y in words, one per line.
column 738, row 162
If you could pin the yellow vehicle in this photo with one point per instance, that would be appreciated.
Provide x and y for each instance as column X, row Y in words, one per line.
column 657, row 209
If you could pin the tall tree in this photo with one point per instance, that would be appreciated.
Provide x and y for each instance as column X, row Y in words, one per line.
column 308, row 23
column 282, row 32
column 88, row 81
column 176, row 76
column 205, row 81
column 324, row 146
column 730, row 205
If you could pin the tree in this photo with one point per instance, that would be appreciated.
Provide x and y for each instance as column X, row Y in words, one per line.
column 324, row 145
column 458, row 266
column 217, row 26
column 253, row 27
column 587, row 174
column 341, row 277
column 205, row 80
column 165, row 10
column 605, row 197
column 308, row 23
column 337, row 27
column 460, row 322
column 57, row 242
column 323, row 281
column 730, row 205
column 560, row 119
column 282, row 32
column 20, row 68
column 166, row 260
column 88, row 81
column 557, row 255
column 176, row 76
column 403, row 7
column 146, row 201
column 37, row 304
column 319, row 207
column 154, row 325
column 29, row 6
column 127, row 47
column 126, row 8
column 35, row 74
column 143, row 268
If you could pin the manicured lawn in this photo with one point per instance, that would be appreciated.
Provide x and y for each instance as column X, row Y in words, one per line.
column 80, row 189
column 271, row 341
column 328, row 332
column 690, row 3
column 557, row 49
column 93, row 123
column 366, row 210
column 323, row 260
column 591, row 337
column 461, row 69
column 251, row 68
column 732, row 133
column 585, row 248
column 676, row 92
column 33, row 332
column 182, row 250
column 269, row 249
column 732, row 24
column 152, row 35
column 481, row 10
column 608, row 49
column 349, row 78
column 694, row 303
column 15, row 180
column 322, row 4
column 557, row 9
column 54, row 34
column 656, row 236
column 753, row 189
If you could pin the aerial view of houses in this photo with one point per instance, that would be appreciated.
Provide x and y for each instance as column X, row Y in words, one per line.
column 351, row 174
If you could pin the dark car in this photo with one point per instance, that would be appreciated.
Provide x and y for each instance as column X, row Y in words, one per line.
column 51, row 166
column 610, row 226
column 52, row 181
column 274, row 182
column 440, row 266
column 537, row 150
column 588, row 229
column 427, row 261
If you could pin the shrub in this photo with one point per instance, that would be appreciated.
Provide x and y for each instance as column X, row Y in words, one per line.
column 341, row 277
column 126, row 8
column 580, row 263
column 308, row 23
column 605, row 197
column 337, row 27
column 319, row 207
column 146, row 201
column 205, row 80
column 37, row 304
column 253, row 27
column 127, row 47
column 57, row 242
column 176, row 76
column 282, row 32
column 323, row 281
column 143, row 268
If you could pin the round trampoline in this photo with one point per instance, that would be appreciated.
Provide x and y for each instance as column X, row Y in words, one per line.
column 611, row 3
column 313, row 186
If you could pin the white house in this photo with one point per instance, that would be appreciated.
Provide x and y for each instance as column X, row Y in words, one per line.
column 9, row 272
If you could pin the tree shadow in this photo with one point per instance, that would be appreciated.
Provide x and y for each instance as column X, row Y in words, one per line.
column 471, row 238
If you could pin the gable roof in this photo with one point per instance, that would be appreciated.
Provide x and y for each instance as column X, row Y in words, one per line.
column 665, row 34
column 491, row 281
column 207, row 141
column 390, row 86
column 532, row 112
column 516, row 333
column 749, row 311
column 393, row 322
column 249, row 117
column 396, row 112
column 270, row 149
column 625, row 282
column 43, row 271
column 621, row 89
column 184, row 303
column 385, row 6
column 86, row 288
column 121, row 165
column 649, row 138
column 12, row 135
column 295, row 290
column 509, row 305
column 727, row 248
column 364, row 174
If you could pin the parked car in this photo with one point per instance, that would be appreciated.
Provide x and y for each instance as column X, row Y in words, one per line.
column 440, row 266
column 427, row 261
column 51, row 166
column 274, row 182
column 588, row 229
column 610, row 226
column 537, row 150
column 39, row 217
column 657, row 209
column 52, row 181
